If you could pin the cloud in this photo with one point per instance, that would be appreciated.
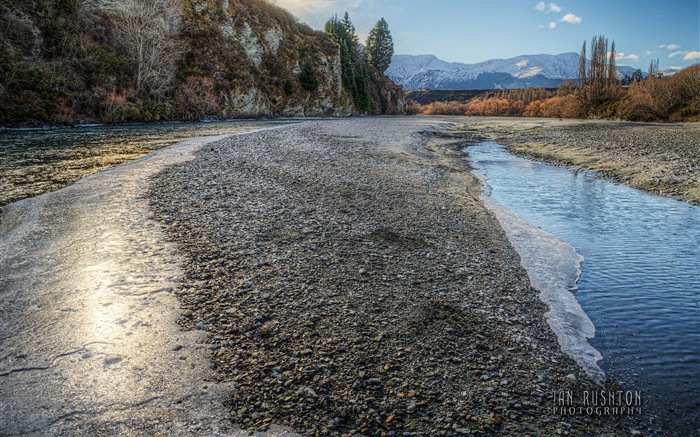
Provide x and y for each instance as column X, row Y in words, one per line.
column 570, row 18
column 673, row 47
column 548, row 7
column 621, row 56
column 691, row 56
column 671, row 55
column 552, row 25
column 552, row 7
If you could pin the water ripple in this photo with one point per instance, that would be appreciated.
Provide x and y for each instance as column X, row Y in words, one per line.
column 640, row 282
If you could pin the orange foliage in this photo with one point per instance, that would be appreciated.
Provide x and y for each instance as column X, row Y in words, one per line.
column 495, row 107
column 568, row 106
column 445, row 108
column 675, row 98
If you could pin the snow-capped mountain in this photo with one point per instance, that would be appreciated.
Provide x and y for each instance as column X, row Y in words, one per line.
column 427, row 71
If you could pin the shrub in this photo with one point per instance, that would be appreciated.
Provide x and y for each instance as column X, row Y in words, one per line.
column 445, row 108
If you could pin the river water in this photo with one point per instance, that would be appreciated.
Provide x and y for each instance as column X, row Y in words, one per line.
column 36, row 161
column 640, row 278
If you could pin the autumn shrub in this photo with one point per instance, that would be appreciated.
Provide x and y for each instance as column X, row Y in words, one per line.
column 495, row 107
column 414, row 108
column 445, row 108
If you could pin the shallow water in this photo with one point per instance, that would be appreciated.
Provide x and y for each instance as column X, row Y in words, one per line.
column 34, row 162
column 640, row 281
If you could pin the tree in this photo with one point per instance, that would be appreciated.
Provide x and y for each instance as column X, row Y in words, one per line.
column 350, row 28
column 654, row 68
column 147, row 30
column 380, row 46
column 599, row 82
column 637, row 75
column 308, row 78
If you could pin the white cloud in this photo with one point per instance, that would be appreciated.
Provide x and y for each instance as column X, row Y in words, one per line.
column 671, row 55
column 548, row 7
column 673, row 47
column 571, row 18
column 622, row 56
column 554, row 8
column 552, row 25
column 691, row 56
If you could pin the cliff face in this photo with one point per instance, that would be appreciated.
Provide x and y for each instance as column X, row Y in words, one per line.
column 253, row 53
column 69, row 61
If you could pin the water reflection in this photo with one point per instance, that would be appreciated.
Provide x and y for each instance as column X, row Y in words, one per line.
column 88, row 340
column 34, row 162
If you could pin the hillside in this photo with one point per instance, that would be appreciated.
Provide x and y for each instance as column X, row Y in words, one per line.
column 71, row 61
column 537, row 71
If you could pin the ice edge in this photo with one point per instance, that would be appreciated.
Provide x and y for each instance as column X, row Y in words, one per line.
column 554, row 268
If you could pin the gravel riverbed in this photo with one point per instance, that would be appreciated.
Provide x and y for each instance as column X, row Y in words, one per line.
column 660, row 158
column 351, row 281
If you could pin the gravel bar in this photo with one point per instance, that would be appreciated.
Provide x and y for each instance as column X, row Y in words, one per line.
column 351, row 282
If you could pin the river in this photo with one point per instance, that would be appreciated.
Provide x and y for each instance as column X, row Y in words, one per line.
column 37, row 161
column 640, row 278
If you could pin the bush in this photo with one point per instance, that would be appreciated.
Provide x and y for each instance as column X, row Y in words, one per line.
column 495, row 107
column 445, row 108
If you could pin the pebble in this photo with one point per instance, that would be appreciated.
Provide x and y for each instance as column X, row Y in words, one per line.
column 325, row 347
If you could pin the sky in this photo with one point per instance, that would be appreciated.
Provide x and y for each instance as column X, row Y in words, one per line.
column 472, row 31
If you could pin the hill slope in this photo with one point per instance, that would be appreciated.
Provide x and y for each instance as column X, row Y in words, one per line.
column 67, row 61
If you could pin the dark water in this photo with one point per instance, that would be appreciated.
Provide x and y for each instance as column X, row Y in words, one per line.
column 640, row 282
column 34, row 162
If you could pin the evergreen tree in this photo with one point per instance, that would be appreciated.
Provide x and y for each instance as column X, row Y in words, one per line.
column 637, row 75
column 340, row 30
column 308, row 78
column 350, row 28
column 380, row 46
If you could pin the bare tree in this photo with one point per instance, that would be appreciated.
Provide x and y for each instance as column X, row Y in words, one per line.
column 148, row 31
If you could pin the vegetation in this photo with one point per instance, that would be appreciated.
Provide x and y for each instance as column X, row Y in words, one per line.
column 598, row 94
column 370, row 90
column 71, row 61
column 380, row 46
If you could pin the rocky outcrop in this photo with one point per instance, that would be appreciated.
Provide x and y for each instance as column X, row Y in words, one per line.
column 71, row 62
column 265, row 46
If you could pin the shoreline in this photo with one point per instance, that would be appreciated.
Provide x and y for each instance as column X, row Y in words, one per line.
column 351, row 280
column 663, row 161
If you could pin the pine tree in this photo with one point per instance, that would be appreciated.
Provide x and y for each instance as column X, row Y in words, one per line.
column 308, row 78
column 380, row 46
column 350, row 28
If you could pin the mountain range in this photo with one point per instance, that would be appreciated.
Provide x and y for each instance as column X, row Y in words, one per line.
column 427, row 71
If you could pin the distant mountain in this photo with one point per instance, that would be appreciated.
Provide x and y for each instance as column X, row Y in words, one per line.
column 427, row 71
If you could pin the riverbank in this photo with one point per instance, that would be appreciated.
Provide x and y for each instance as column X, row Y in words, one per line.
column 350, row 280
column 659, row 158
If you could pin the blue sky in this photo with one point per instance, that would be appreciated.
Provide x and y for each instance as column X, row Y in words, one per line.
column 472, row 31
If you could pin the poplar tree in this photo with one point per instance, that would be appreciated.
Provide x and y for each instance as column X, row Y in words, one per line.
column 380, row 46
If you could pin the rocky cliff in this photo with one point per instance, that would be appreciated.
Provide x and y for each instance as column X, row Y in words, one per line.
column 68, row 61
